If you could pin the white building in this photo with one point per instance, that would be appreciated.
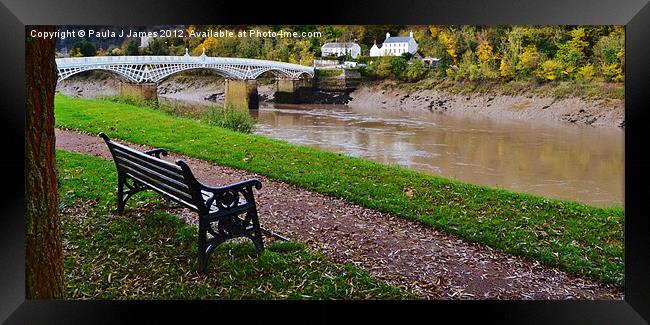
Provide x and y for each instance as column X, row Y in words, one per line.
column 339, row 49
column 144, row 41
column 395, row 46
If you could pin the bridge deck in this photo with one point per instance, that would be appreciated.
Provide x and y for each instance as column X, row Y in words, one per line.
column 155, row 68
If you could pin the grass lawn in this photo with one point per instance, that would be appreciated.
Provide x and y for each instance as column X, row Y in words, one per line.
column 149, row 254
column 577, row 238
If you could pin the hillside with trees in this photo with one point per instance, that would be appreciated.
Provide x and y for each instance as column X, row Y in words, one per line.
column 538, row 54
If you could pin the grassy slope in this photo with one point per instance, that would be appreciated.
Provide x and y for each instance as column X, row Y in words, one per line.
column 151, row 255
column 558, row 89
column 577, row 238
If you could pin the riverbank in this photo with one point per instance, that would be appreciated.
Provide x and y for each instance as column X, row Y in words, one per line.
column 435, row 265
column 577, row 238
column 199, row 89
column 559, row 102
column 522, row 104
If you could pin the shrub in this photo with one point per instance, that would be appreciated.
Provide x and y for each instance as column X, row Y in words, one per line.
column 328, row 73
column 83, row 48
column 134, row 100
column 550, row 70
column 382, row 68
column 415, row 70
column 475, row 72
column 232, row 118
column 612, row 72
column 587, row 72
column 398, row 66
column 609, row 53
column 527, row 61
column 607, row 48
column 505, row 69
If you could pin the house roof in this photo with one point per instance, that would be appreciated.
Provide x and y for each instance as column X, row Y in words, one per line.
column 398, row 39
column 339, row 45
column 378, row 45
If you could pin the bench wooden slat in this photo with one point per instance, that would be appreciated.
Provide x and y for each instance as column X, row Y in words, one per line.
column 139, row 176
column 167, row 194
column 159, row 162
column 158, row 176
column 153, row 163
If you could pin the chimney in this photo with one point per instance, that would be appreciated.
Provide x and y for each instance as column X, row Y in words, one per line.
column 411, row 34
column 387, row 34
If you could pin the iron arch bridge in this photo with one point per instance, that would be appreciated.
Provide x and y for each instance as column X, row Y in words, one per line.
column 152, row 69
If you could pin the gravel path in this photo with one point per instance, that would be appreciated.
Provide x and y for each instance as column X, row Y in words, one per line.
column 404, row 253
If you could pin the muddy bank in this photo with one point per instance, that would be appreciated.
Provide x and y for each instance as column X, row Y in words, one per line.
column 601, row 113
column 90, row 85
column 206, row 89
column 199, row 89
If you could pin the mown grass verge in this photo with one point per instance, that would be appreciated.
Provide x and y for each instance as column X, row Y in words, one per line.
column 328, row 73
column 580, row 239
column 149, row 254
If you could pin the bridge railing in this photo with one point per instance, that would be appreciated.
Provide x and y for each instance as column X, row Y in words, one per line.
column 159, row 59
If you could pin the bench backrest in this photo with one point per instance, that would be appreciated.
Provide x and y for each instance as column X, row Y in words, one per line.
column 161, row 176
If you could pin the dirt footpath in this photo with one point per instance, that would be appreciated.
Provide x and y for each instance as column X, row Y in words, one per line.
column 403, row 253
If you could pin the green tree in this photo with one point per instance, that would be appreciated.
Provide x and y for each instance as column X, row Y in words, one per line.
column 609, row 55
column 383, row 67
column 415, row 70
column 84, row 48
column 527, row 62
column 510, row 51
column 572, row 53
column 486, row 60
column 301, row 54
column 398, row 66
column 130, row 47
column 158, row 46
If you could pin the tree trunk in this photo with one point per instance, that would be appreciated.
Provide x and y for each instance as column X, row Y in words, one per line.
column 44, row 257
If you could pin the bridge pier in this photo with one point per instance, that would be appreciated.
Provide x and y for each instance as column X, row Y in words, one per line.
column 292, row 91
column 241, row 94
column 144, row 91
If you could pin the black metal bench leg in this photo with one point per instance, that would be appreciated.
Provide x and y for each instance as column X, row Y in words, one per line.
column 120, row 194
column 257, row 239
column 203, row 258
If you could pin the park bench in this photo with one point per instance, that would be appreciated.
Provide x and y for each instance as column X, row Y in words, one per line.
column 231, row 209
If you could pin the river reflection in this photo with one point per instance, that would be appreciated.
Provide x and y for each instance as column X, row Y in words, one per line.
column 582, row 164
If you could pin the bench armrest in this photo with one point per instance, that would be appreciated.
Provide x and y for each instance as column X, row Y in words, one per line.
column 156, row 152
column 227, row 197
column 249, row 183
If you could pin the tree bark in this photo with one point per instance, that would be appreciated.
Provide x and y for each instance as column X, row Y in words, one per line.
column 44, row 251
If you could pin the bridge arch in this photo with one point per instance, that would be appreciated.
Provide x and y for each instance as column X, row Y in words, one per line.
column 146, row 69
column 116, row 72
column 125, row 75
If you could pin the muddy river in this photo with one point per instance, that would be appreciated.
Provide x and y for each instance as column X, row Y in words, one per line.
column 584, row 164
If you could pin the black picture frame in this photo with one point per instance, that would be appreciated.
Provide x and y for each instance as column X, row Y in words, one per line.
column 15, row 15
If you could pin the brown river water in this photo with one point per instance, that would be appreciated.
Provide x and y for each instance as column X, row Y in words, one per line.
column 557, row 160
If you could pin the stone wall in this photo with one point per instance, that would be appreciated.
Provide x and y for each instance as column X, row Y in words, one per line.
column 241, row 94
column 144, row 91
